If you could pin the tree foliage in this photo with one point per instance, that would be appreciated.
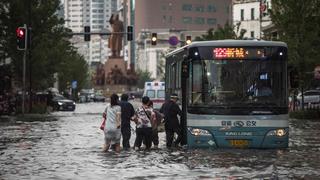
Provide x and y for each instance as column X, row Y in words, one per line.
column 225, row 32
column 298, row 22
column 143, row 76
column 50, row 51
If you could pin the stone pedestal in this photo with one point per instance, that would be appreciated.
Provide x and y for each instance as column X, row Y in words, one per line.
column 115, row 63
column 115, row 76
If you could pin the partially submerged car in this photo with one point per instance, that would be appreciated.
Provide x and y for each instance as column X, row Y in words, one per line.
column 60, row 103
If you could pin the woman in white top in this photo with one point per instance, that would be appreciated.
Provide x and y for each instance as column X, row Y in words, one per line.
column 112, row 130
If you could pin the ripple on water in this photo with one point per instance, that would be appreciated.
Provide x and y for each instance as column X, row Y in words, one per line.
column 69, row 146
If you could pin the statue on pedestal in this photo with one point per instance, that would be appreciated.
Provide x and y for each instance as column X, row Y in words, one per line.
column 115, row 40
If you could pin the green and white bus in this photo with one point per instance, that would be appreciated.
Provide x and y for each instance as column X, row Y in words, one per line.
column 233, row 93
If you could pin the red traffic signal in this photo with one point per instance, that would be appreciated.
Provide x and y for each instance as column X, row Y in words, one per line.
column 21, row 34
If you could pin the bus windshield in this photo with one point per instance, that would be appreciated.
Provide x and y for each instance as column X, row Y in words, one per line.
column 237, row 86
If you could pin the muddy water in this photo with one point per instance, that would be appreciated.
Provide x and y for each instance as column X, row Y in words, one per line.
column 67, row 145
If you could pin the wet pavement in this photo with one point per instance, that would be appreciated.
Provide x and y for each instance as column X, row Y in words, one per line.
column 68, row 145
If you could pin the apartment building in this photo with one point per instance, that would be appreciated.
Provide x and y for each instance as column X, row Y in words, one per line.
column 93, row 13
column 172, row 18
column 252, row 16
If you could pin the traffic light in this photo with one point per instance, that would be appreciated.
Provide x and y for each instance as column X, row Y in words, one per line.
column 129, row 33
column 188, row 40
column 154, row 39
column 21, row 33
column 86, row 33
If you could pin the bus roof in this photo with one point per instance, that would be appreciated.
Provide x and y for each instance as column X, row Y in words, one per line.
column 229, row 43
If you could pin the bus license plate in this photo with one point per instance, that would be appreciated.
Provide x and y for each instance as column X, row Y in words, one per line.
column 239, row 143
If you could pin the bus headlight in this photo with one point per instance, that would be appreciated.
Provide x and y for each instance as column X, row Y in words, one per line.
column 199, row 132
column 277, row 132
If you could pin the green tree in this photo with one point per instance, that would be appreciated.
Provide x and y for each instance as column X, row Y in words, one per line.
column 73, row 68
column 50, row 52
column 143, row 76
column 298, row 22
column 225, row 32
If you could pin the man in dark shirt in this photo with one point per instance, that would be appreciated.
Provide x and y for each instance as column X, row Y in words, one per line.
column 127, row 111
column 170, row 109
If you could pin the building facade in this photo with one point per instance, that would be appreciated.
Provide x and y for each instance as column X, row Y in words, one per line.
column 168, row 18
column 252, row 16
column 93, row 13
column 191, row 15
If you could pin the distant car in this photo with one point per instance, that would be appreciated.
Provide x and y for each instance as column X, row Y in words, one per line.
column 60, row 103
column 99, row 98
column 134, row 94
column 82, row 98
column 310, row 96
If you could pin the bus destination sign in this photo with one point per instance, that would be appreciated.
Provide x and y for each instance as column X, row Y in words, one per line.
column 237, row 53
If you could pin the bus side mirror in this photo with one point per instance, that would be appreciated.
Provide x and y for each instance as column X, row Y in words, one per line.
column 185, row 68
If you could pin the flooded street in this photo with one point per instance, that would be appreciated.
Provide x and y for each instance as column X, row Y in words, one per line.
column 68, row 145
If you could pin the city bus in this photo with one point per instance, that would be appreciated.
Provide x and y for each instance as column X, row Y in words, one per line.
column 233, row 93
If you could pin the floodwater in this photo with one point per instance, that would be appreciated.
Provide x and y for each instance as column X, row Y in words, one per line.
column 68, row 145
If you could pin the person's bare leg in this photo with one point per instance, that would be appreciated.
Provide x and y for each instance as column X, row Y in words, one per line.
column 106, row 147
column 117, row 148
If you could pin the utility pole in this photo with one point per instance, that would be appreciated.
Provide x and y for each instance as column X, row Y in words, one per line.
column 29, row 55
column 260, row 18
column 24, row 72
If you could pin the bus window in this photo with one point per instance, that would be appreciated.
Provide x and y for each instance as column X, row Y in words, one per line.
column 196, row 83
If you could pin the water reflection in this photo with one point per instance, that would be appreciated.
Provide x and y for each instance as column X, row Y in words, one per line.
column 69, row 146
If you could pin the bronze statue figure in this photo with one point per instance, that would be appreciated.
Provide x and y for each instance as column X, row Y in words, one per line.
column 115, row 40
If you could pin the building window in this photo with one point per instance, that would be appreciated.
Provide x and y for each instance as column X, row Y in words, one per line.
column 227, row 9
column 199, row 9
column 211, row 8
column 242, row 14
column 187, row 20
column 199, row 20
column 164, row 18
column 252, row 34
column 252, row 13
column 211, row 21
column 170, row 19
column 187, row 7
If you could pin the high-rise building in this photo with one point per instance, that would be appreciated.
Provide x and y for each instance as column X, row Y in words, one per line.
column 93, row 13
column 191, row 15
column 172, row 19
column 251, row 15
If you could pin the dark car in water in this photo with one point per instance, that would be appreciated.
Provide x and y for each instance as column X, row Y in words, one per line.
column 60, row 103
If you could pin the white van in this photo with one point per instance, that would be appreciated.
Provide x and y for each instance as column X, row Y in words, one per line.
column 156, row 92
